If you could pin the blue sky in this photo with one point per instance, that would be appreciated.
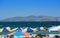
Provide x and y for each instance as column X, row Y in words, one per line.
column 14, row 8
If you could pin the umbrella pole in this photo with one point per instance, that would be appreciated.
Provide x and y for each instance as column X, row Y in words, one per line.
column 4, row 35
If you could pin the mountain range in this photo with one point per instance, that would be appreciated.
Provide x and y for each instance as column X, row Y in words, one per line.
column 33, row 18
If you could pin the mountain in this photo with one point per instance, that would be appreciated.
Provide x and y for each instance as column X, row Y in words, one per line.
column 33, row 18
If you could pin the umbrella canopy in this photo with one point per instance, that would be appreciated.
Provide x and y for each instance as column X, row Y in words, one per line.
column 18, row 33
column 26, row 34
column 19, row 29
column 45, row 28
column 34, row 29
column 8, row 28
column 24, row 30
column 29, row 29
column 42, row 28
column 5, row 30
column 1, row 29
column 14, row 29
column 57, row 28
column 38, row 28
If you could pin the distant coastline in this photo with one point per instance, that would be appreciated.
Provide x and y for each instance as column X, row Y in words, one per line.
column 32, row 18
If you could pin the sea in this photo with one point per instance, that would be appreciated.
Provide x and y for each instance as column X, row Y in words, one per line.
column 32, row 24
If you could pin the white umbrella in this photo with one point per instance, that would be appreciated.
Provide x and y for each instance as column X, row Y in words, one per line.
column 54, row 28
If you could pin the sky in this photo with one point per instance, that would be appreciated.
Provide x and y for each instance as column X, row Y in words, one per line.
column 23, row 8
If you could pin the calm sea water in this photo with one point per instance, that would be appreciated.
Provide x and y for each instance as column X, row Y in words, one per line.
column 29, row 24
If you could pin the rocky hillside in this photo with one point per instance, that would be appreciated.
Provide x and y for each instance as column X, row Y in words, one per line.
column 33, row 18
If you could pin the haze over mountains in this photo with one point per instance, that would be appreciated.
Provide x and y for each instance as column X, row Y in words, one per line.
column 33, row 18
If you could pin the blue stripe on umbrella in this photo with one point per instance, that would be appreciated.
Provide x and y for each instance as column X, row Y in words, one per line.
column 29, row 29
column 19, row 29
column 38, row 28
column 5, row 30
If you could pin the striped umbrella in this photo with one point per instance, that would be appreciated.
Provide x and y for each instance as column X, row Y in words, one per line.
column 8, row 28
column 12, row 30
column 26, row 34
column 28, row 29
column 34, row 29
column 19, row 29
column 38, row 28
column 5, row 30
column 42, row 28
column 1, row 29
column 18, row 33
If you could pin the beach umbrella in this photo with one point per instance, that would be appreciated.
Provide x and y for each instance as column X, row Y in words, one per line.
column 26, row 34
column 24, row 30
column 57, row 28
column 45, row 28
column 1, row 29
column 34, row 29
column 5, row 30
column 8, row 28
column 12, row 30
column 18, row 33
column 42, row 28
column 19, row 29
column 38, row 28
column 29, row 29
column 1, row 33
